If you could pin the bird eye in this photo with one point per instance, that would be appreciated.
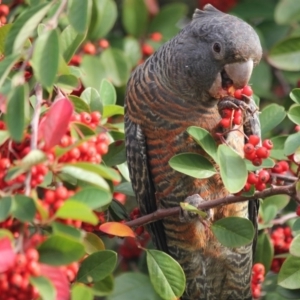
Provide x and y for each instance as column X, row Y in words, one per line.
column 217, row 47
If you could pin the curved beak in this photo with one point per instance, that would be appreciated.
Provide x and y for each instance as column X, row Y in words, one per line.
column 239, row 73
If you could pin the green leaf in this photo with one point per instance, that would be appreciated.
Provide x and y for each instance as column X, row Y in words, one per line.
column 4, row 29
column 107, row 93
column 5, row 207
column 261, row 79
column 24, row 27
column 93, row 197
column 80, row 291
column 166, row 21
column 23, row 208
column 294, row 247
column 295, row 95
column 269, row 213
column 103, row 287
column 205, row 140
column 104, row 15
column 286, row 54
column 93, row 69
column 44, row 286
column 45, row 58
column 116, row 154
column 287, row 12
column 97, row 266
column 79, row 104
column 270, row 117
column 15, row 113
column 294, row 113
column 116, row 65
column 132, row 50
column 264, row 251
column 192, row 164
column 279, row 201
column 278, row 145
column 112, row 110
column 166, row 275
column 92, row 243
column 4, row 135
column 289, row 274
column 233, row 231
column 232, row 169
column 292, row 143
column 296, row 225
column 79, row 14
column 125, row 188
column 135, row 17
column 92, row 98
column 67, row 83
column 133, row 285
column 60, row 250
column 66, row 230
column 86, row 175
column 74, row 210
column 5, row 66
column 70, row 41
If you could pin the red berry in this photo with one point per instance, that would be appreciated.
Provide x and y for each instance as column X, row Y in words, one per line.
column 75, row 60
column 34, row 268
column 277, row 168
column 156, row 36
column 285, row 166
column 297, row 128
column 61, row 193
column 237, row 120
column 254, row 140
column 4, row 10
column 147, row 50
column 257, row 161
column 263, row 176
column 249, row 148
column 85, row 117
column 4, row 163
column 101, row 148
column 298, row 211
column 16, row 280
column 32, row 254
column 247, row 187
column 226, row 113
column 89, row 48
column 96, row 116
column 225, row 123
column 268, row 144
column 260, row 186
column 252, row 178
column 238, row 94
column 247, row 90
column 251, row 156
column 262, row 152
column 103, row 43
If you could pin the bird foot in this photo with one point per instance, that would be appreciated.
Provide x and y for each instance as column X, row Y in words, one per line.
column 188, row 216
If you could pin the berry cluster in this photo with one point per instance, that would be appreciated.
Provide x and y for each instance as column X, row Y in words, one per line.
column 258, row 273
column 14, row 283
column 281, row 238
column 256, row 153
column 231, row 116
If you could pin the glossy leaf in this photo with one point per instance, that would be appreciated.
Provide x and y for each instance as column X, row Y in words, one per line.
column 233, row 231
column 56, row 122
column 270, row 117
column 4, row 29
column 107, row 93
column 44, row 286
column 4, row 135
column 295, row 246
column 287, row 11
column 60, row 250
column 133, row 285
column 125, row 188
column 79, row 14
column 278, row 145
column 289, row 274
column 232, row 169
column 103, row 287
column 15, row 113
column 295, row 95
column 117, row 229
column 80, row 291
column 112, row 110
column 286, row 54
column 97, row 266
column 23, row 208
column 116, row 154
column 134, row 17
column 132, row 50
column 45, row 58
column 79, row 104
column 59, row 228
column 24, row 26
column 74, row 210
column 70, row 41
column 92, row 98
column 292, row 143
column 92, row 243
column 7, row 254
column 205, row 140
column 294, row 113
column 5, row 207
column 264, row 251
column 166, row 275
column 117, row 211
column 296, row 225
column 67, row 83
column 93, row 197
column 104, row 15
column 192, row 164
column 5, row 66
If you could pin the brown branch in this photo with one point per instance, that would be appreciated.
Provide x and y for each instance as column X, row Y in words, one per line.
column 163, row 213
column 284, row 218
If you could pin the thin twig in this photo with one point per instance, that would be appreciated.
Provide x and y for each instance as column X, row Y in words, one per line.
column 284, row 218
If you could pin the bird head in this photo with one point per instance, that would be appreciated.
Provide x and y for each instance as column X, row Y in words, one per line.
column 214, row 52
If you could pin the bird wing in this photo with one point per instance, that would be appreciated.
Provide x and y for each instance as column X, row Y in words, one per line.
column 136, row 152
